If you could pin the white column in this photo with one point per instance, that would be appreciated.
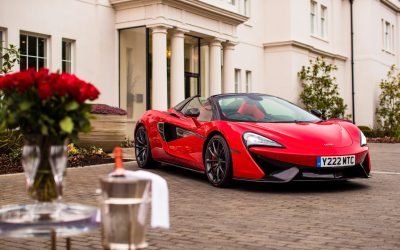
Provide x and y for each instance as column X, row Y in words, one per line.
column 215, row 66
column 228, row 85
column 177, row 67
column 159, row 97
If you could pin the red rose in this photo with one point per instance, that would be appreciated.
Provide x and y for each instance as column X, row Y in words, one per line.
column 93, row 92
column 24, row 80
column 45, row 91
column 58, row 83
column 72, row 84
column 83, row 92
column 4, row 81
column 41, row 75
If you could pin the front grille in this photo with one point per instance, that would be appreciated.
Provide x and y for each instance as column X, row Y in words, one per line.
column 270, row 167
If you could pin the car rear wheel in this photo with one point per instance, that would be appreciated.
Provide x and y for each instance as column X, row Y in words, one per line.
column 218, row 162
column 143, row 149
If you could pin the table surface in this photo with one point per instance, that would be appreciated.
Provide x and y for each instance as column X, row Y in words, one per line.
column 44, row 219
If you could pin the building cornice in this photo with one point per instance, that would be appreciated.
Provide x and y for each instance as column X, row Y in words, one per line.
column 195, row 6
column 390, row 4
column 304, row 46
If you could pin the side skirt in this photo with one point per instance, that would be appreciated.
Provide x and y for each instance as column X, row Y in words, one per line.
column 182, row 167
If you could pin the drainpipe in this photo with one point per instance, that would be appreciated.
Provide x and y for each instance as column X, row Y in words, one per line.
column 352, row 62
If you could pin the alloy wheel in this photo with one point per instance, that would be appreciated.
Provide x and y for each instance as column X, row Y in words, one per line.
column 141, row 146
column 218, row 162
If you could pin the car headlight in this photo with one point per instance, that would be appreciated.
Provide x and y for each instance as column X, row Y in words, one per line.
column 252, row 139
column 363, row 139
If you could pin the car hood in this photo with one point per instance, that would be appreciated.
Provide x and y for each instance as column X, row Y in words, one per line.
column 319, row 134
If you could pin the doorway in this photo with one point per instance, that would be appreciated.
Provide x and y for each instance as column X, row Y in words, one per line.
column 192, row 66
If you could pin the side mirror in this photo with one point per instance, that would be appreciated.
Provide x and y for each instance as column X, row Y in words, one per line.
column 193, row 112
column 317, row 113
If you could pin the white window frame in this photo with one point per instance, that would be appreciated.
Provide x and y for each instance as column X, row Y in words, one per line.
column 388, row 37
column 247, row 7
column 71, row 61
column 323, row 21
column 319, row 18
column 238, row 79
column 46, row 49
column 313, row 17
column 248, row 81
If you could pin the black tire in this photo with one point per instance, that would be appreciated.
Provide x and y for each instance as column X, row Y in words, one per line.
column 218, row 162
column 143, row 155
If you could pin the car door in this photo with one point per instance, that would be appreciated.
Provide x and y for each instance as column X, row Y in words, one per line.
column 185, row 135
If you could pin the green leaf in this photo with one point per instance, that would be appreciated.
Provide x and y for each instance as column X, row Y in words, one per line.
column 73, row 105
column 25, row 105
column 67, row 125
column 44, row 130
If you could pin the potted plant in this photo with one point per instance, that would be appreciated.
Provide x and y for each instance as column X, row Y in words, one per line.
column 108, row 127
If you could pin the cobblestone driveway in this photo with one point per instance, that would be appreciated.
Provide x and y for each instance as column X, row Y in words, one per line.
column 359, row 214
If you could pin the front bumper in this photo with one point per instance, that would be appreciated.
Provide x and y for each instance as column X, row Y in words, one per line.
column 278, row 171
column 285, row 170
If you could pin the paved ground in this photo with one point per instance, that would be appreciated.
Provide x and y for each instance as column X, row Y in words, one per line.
column 360, row 214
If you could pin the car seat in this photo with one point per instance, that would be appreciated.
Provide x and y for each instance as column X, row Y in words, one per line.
column 251, row 109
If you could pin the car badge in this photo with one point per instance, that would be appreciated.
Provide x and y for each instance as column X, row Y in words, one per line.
column 328, row 145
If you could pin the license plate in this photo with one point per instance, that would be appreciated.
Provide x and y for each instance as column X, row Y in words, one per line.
column 336, row 161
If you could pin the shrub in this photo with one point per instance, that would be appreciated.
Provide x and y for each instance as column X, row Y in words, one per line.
column 127, row 143
column 367, row 131
column 10, row 56
column 104, row 109
column 320, row 90
column 388, row 112
column 10, row 140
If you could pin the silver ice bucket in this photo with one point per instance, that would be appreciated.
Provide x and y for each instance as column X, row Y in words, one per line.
column 125, row 205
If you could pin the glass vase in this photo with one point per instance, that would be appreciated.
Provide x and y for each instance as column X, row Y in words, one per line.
column 44, row 159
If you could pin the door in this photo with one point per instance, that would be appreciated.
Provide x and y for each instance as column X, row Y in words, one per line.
column 192, row 66
column 185, row 137
column 192, row 86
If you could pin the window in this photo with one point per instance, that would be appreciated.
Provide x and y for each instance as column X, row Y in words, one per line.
column 133, row 63
column 237, row 80
column 313, row 17
column 323, row 21
column 204, row 107
column 318, row 19
column 248, row 81
column 66, row 59
column 33, row 52
column 247, row 8
column 388, row 36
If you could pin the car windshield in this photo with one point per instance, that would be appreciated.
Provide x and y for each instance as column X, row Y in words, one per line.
column 261, row 108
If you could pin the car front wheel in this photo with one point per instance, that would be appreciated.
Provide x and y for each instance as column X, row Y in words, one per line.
column 143, row 155
column 218, row 162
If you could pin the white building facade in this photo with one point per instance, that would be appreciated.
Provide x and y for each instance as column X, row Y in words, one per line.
column 154, row 53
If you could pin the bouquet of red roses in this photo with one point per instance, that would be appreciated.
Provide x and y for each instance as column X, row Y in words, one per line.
column 48, row 109
column 39, row 102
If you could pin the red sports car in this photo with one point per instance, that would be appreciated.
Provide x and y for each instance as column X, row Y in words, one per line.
column 251, row 137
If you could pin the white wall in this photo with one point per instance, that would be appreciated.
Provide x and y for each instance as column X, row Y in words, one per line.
column 371, row 61
column 287, row 22
column 89, row 23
